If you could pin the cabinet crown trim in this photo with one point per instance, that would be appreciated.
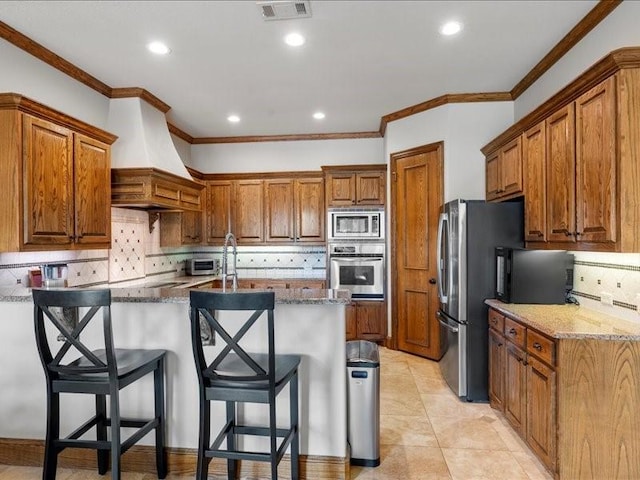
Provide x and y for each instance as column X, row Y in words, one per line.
column 16, row 101
column 355, row 168
column 627, row 57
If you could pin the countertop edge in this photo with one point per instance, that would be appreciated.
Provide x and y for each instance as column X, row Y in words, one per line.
column 558, row 334
column 181, row 295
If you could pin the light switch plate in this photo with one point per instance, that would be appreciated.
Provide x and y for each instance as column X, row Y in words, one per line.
column 606, row 298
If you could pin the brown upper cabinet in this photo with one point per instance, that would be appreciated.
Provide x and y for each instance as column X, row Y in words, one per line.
column 580, row 154
column 504, row 172
column 294, row 210
column 277, row 209
column 180, row 228
column 355, row 185
column 534, row 165
column 219, row 202
column 561, row 175
column 596, row 185
column 235, row 206
column 249, row 211
column 52, row 165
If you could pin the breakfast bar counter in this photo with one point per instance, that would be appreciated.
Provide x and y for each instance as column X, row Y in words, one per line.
column 308, row 322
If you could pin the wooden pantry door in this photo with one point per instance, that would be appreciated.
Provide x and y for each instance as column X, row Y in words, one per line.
column 417, row 193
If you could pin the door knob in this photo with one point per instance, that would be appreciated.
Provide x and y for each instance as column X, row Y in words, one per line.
column 432, row 281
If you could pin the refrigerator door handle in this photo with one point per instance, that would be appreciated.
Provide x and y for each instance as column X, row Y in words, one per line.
column 444, row 218
column 446, row 324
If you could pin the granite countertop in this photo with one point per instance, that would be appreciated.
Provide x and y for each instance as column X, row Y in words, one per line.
column 569, row 321
column 180, row 294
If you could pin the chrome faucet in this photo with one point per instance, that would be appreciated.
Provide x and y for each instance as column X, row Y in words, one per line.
column 229, row 239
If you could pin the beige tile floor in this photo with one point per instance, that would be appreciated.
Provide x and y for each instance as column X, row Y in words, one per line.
column 425, row 433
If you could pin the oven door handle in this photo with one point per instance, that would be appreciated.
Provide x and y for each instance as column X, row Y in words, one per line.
column 360, row 259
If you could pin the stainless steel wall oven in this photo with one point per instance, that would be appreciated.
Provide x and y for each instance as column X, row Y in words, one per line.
column 359, row 267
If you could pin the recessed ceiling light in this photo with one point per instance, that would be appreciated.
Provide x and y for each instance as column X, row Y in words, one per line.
column 450, row 28
column 233, row 118
column 318, row 115
column 158, row 48
column 294, row 40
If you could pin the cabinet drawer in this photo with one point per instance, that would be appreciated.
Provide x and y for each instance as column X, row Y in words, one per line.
column 542, row 347
column 496, row 321
column 515, row 332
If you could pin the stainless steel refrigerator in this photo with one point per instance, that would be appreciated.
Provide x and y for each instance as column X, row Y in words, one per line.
column 468, row 232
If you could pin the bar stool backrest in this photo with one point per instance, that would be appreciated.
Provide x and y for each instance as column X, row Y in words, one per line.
column 206, row 305
column 56, row 363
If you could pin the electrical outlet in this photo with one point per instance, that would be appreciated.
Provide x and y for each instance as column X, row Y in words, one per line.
column 606, row 298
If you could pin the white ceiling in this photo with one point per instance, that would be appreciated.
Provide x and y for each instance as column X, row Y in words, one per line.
column 361, row 60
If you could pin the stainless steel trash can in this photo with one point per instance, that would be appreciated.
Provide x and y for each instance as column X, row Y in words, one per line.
column 363, row 398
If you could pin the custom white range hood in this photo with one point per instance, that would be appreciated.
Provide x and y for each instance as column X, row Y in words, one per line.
column 146, row 170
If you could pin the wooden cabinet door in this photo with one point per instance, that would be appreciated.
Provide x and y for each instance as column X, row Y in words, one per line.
column 492, row 177
column 340, row 189
column 92, row 174
column 371, row 320
column 279, row 200
column 48, row 183
column 510, row 159
column 350, row 318
column 249, row 211
column 309, row 210
column 219, row 210
column 541, row 421
column 534, row 161
column 496, row 369
column 370, row 188
column 561, row 187
column 596, row 164
column 515, row 391
column 191, row 227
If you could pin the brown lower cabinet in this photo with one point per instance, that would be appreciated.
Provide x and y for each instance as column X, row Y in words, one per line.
column 522, row 385
column 366, row 320
column 573, row 399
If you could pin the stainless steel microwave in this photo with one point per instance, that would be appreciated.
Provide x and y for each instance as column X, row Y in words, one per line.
column 355, row 224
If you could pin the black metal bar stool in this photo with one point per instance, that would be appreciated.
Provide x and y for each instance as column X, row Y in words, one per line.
column 237, row 376
column 99, row 372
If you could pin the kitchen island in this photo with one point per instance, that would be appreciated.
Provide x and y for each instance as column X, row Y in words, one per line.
column 567, row 379
column 310, row 323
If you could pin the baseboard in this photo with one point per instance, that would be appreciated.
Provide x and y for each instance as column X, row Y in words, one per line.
column 181, row 461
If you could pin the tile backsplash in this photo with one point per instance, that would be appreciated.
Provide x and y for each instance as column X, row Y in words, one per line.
column 136, row 256
column 608, row 282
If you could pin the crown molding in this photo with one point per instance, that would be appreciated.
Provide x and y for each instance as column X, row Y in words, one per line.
column 577, row 33
column 443, row 100
column 588, row 23
column 628, row 57
column 285, row 138
column 131, row 92
column 179, row 133
column 23, row 42
column 16, row 101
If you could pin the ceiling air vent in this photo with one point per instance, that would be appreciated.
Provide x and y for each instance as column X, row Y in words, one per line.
column 284, row 9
